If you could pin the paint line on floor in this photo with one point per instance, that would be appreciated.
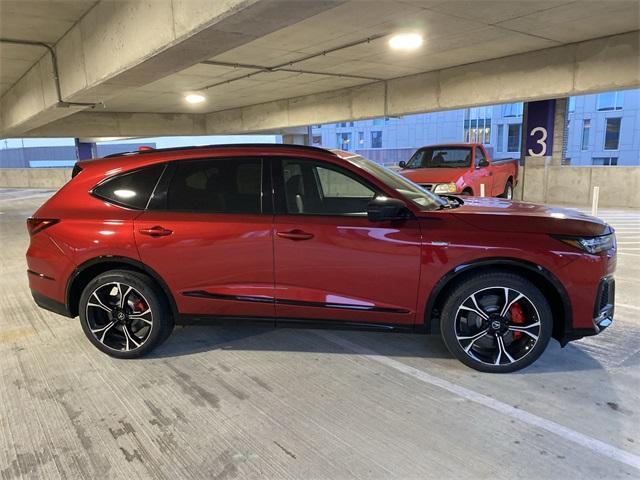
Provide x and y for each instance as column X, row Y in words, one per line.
column 566, row 433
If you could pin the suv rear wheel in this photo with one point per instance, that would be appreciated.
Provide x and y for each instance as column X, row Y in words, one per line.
column 124, row 314
column 496, row 322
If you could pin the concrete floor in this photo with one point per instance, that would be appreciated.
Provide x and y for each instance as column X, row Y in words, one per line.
column 226, row 403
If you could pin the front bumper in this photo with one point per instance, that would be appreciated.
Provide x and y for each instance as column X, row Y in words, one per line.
column 604, row 309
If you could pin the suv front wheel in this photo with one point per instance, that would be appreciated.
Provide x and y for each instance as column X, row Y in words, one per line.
column 124, row 314
column 496, row 322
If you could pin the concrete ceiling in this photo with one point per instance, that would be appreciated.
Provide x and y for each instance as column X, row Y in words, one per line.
column 34, row 21
column 455, row 32
column 143, row 57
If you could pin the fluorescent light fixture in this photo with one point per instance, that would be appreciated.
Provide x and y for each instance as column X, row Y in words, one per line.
column 405, row 41
column 194, row 98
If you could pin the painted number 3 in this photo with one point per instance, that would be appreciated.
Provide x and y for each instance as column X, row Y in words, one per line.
column 540, row 141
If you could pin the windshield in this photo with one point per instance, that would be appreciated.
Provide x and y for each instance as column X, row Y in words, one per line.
column 415, row 193
column 441, row 157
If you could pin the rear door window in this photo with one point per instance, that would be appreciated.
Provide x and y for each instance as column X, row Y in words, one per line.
column 131, row 189
column 221, row 185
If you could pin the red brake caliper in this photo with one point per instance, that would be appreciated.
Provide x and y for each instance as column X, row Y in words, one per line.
column 517, row 317
column 139, row 306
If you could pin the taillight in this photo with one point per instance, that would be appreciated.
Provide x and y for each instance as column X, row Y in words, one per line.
column 35, row 225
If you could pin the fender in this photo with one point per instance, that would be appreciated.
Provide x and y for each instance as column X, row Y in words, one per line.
column 126, row 260
column 493, row 262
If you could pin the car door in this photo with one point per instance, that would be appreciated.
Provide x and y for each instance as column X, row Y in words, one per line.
column 208, row 234
column 484, row 173
column 331, row 262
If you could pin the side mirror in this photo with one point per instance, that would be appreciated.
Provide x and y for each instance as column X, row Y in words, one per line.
column 402, row 164
column 382, row 209
column 483, row 163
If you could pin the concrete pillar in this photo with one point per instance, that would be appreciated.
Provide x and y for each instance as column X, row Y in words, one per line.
column 544, row 126
column 559, row 131
column 296, row 139
column 85, row 150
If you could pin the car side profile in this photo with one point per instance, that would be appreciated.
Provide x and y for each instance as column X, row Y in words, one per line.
column 301, row 235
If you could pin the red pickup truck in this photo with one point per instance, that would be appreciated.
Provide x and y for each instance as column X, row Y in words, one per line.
column 462, row 169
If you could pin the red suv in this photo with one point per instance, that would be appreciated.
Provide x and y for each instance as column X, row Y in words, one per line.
column 293, row 235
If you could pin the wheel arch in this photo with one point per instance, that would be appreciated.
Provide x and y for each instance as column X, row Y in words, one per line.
column 551, row 287
column 88, row 270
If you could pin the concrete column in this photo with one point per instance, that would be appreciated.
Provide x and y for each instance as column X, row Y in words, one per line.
column 85, row 150
column 559, row 130
column 544, row 126
column 296, row 139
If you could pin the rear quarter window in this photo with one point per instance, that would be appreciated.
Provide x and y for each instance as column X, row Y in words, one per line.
column 131, row 189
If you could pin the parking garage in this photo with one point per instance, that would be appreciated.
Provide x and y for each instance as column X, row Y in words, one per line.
column 245, row 401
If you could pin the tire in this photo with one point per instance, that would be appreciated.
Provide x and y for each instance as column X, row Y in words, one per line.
column 124, row 314
column 513, row 338
column 508, row 191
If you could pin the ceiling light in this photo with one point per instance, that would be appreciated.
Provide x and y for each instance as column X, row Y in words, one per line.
column 194, row 98
column 405, row 41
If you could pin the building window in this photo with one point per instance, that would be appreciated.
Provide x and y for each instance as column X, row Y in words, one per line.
column 500, row 139
column 376, row 139
column 361, row 139
column 344, row 140
column 612, row 134
column 477, row 125
column 604, row 161
column 513, row 137
column 586, row 127
column 571, row 104
column 512, row 109
column 351, row 124
column 610, row 101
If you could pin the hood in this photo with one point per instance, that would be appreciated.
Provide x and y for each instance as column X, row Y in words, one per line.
column 433, row 175
column 497, row 214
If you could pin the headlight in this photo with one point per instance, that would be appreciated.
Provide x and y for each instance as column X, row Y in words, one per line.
column 445, row 188
column 591, row 244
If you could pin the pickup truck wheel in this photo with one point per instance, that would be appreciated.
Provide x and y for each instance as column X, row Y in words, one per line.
column 496, row 322
column 508, row 191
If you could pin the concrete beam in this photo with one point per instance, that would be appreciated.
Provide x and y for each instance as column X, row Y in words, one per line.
column 121, row 45
column 107, row 124
column 574, row 69
column 608, row 63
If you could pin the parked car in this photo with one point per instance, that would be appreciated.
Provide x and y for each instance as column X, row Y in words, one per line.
column 301, row 235
column 461, row 169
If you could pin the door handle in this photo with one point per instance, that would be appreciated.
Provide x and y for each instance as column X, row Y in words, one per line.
column 295, row 234
column 156, row 231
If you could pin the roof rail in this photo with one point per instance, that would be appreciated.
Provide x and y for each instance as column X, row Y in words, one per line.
column 224, row 145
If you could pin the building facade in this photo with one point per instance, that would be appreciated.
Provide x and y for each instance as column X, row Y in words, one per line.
column 603, row 129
